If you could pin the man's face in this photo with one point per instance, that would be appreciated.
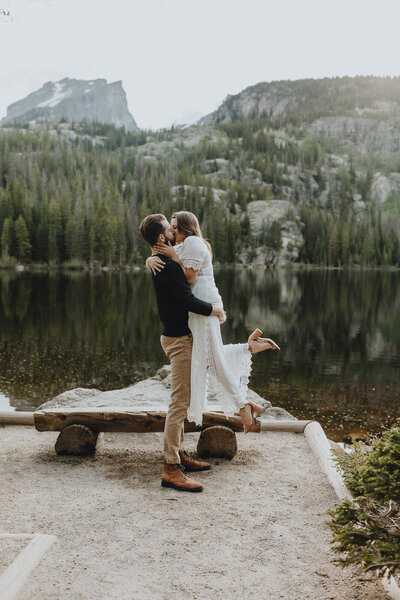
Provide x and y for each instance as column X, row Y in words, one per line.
column 168, row 233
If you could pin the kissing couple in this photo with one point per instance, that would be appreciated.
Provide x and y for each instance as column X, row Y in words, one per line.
column 191, row 311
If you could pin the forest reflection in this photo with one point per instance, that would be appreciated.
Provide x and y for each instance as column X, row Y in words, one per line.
column 339, row 333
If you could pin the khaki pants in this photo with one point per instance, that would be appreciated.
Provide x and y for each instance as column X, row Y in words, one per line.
column 179, row 352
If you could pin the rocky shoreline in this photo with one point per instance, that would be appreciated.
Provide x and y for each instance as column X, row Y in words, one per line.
column 149, row 394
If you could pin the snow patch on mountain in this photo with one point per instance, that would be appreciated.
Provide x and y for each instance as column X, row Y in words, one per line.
column 58, row 95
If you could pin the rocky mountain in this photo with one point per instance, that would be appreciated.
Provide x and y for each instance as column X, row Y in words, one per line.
column 75, row 100
column 275, row 178
column 361, row 113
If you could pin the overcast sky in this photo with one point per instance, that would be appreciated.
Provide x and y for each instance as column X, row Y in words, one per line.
column 178, row 59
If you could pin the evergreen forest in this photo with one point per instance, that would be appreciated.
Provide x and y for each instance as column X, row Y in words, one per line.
column 73, row 195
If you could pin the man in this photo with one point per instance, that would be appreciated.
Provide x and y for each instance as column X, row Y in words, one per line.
column 174, row 300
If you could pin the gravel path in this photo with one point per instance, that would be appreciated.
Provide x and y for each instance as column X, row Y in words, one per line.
column 256, row 532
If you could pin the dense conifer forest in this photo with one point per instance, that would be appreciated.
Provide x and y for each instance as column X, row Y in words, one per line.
column 74, row 195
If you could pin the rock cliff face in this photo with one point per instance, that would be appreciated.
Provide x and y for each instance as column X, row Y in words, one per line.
column 75, row 100
column 361, row 113
column 251, row 102
column 263, row 213
column 365, row 134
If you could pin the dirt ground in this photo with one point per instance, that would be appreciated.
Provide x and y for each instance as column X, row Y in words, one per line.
column 256, row 532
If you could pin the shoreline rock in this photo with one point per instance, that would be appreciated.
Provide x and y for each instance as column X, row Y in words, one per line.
column 147, row 395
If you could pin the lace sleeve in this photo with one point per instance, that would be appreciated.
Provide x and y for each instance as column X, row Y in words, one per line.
column 191, row 263
column 193, row 253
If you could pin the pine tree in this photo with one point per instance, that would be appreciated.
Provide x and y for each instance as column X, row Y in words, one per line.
column 367, row 252
column 92, row 245
column 74, row 238
column 345, row 244
column 22, row 239
column 274, row 236
column 6, row 237
column 120, row 240
column 105, row 228
column 55, row 231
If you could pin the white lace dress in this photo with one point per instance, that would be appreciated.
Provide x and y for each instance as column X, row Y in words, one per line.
column 222, row 370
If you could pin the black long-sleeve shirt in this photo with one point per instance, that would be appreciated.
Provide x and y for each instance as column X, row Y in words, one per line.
column 175, row 299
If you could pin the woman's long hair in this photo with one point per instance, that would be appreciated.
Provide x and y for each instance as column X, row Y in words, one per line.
column 189, row 225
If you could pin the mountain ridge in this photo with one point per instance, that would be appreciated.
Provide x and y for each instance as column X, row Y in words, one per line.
column 361, row 113
column 282, row 97
column 74, row 100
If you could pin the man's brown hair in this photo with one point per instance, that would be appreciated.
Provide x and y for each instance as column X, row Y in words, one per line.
column 151, row 227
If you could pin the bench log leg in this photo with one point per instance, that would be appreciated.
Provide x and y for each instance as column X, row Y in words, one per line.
column 76, row 440
column 218, row 441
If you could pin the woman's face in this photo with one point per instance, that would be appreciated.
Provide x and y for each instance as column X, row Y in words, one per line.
column 179, row 237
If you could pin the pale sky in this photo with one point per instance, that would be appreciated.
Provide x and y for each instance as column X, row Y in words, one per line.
column 178, row 59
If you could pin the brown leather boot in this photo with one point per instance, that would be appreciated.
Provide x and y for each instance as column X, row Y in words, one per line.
column 191, row 464
column 174, row 477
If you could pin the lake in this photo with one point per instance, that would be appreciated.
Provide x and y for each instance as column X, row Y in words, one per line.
column 339, row 333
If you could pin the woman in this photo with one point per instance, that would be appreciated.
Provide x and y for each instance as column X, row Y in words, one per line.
column 227, row 367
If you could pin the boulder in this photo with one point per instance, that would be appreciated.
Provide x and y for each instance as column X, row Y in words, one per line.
column 251, row 177
column 264, row 212
column 383, row 185
column 292, row 241
column 359, row 205
column 151, row 394
column 276, row 412
column 212, row 165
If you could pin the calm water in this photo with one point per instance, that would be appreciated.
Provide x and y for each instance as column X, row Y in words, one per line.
column 339, row 334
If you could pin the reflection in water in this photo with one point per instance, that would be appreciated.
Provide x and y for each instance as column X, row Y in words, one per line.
column 339, row 333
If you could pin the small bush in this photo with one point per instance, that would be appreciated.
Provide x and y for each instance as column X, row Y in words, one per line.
column 374, row 471
column 367, row 531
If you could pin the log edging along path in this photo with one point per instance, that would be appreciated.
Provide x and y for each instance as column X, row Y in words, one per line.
column 112, row 419
column 16, row 418
column 15, row 575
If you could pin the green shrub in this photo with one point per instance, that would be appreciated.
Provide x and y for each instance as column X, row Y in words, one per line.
column 374, row 471
column 367, row 530
column 367, row 533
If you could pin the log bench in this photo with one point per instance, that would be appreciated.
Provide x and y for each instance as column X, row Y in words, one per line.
column 79, row 428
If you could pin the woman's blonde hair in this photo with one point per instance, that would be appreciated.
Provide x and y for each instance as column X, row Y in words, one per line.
column 188, row 225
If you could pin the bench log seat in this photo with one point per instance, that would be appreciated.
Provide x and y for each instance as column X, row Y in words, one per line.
column 79, row 428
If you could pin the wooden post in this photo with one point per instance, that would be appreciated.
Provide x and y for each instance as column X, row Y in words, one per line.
column 76, row 440
column 218, row 441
